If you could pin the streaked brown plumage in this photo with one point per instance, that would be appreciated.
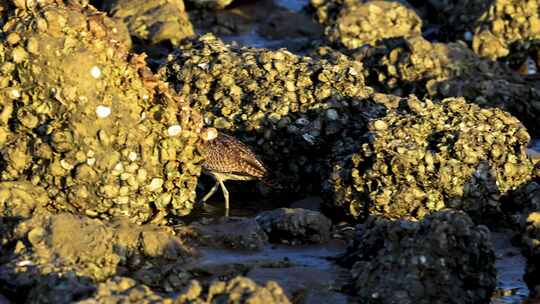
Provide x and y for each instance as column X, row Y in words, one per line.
column 226, row 158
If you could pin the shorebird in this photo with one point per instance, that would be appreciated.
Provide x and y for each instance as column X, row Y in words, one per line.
column 226, row 158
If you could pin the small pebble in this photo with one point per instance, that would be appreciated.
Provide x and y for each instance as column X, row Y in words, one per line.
column 309, row 138
column 302, row 121
column 332, row 114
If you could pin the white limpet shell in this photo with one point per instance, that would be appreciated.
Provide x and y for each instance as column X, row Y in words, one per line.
column 174, row 130
column 95, row 72
column 103, row 111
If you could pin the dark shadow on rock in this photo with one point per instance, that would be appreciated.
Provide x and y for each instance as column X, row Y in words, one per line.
column 523, row 208
column 448, row 21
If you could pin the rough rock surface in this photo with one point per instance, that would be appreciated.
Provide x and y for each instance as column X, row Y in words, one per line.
column 444, row 258
column 523, row 206
column 153, row 21
column 416, row 66
column 90, row 123
column 426, row 156
column 242, row 234
column 287, row 107
column 48, row 247
column 352, row 24
column 506, row 22
column 295, row 226
column 235, row 291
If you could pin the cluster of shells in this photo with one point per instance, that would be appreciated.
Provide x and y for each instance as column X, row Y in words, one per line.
column 152, row 21
column 426, row 156
column 356, row 23
column 235, row 291
column 87, row 122
column 91, row 250
column 435, row 260
column 287, row 107
column 404, row 65
column 413, row 65
column 504, row 23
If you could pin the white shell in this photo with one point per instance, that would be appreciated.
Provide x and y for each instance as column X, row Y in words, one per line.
column 132, row 156
column 174, row 130
column 15, row 93
column 95, row 72
column 103, row 111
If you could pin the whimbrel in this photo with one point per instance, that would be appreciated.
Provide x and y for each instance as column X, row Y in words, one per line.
column 226, row 158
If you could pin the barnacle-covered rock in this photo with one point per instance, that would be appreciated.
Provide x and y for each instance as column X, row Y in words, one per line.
column 353, row 24
column 124, row 290
column 425, row 156
column 287, row 107
column 244, row 290
column 235, row 291
column 416, row 66
column 66, row 243
column 443, row 258
column 153, row 21
column 504, row 23
column 296, row 226
column 18, row 201
column 89, row 123
column 404, row 65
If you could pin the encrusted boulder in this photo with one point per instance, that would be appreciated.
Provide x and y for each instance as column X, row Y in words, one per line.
column 88, row 122
column 352, row 24
column 426, row 156
column 504, row 24
column 153, row 21
column 88, row 249
column 235, row 291
column 414, row 65
column 443, row 258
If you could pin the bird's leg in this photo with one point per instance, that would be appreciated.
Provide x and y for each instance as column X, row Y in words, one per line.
column 209, row 194
column 225, row 195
